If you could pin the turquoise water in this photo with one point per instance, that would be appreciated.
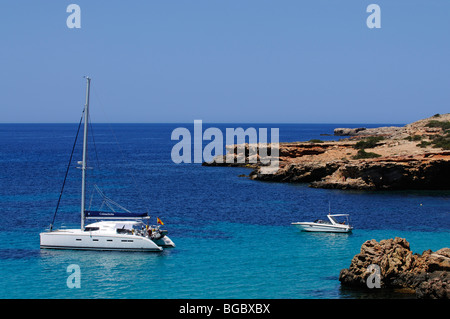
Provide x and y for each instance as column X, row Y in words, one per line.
column 233, row 235
column 248, row 261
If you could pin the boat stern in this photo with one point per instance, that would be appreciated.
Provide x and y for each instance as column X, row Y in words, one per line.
column 164, row 242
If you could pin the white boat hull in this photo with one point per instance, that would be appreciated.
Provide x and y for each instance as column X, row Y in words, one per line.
column 164, row 242
column 84, row 240
column 327, row 228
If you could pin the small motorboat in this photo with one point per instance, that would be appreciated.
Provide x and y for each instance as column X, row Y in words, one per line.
column 331, row 226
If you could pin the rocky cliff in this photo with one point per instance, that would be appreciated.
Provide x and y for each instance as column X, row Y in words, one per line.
column 391, row 264
column 415, row 156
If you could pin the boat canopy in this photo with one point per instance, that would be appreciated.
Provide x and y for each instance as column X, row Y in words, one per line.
column 114, row 215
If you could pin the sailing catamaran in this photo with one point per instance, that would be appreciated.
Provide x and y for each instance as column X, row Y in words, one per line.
column 123, row 231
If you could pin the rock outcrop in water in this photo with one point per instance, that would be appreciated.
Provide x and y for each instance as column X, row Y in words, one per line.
column 415, row 156
column 426, row 275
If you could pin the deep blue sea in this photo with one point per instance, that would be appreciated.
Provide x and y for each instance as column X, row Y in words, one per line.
column 233, row 236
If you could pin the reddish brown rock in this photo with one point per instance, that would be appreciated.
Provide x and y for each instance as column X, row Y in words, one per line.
column 426, row 274
column 401, row 162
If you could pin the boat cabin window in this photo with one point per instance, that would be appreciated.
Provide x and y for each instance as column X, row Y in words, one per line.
column 124, row 231
column 91, row 228
column 129, row 228
column 139, row 226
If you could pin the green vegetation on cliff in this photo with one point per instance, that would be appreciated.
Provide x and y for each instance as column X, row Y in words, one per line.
column 369, row 142
column 362, row 154
column 445, row 125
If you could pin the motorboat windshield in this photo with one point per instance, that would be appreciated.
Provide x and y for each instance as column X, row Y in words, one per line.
column 339, row 219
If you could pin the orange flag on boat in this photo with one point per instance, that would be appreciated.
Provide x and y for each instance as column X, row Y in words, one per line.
column 159, row 221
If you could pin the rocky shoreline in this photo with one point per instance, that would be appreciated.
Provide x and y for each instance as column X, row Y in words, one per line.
column 390, row 264
column 415, row 156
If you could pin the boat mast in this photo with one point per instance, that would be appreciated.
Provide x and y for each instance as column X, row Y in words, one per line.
column 83, row 166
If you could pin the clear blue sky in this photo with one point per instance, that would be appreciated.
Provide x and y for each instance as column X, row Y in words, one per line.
column 287, row 61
